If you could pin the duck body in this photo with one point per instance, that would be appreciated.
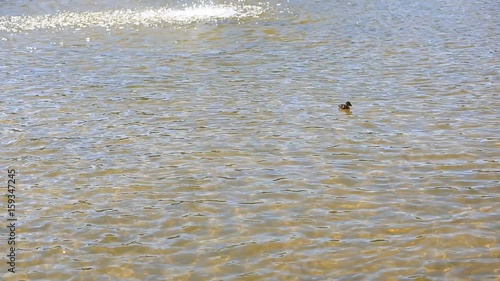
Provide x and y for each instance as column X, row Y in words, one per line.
column 346, row 106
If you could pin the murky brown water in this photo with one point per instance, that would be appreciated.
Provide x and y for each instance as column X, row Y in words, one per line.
column 205, row 143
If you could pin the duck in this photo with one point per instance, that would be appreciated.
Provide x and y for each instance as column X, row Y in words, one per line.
column 346, row 106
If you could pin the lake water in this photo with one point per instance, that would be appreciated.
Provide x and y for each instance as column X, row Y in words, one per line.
column 185, row 140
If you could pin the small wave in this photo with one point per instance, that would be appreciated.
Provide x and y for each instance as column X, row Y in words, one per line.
column 116, row 18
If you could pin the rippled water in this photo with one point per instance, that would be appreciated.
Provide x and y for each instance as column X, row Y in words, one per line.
column 171, row 140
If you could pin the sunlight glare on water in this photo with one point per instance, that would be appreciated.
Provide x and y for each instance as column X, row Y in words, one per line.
column 147, row 17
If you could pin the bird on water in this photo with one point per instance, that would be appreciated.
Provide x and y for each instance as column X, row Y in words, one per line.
column 346, row 106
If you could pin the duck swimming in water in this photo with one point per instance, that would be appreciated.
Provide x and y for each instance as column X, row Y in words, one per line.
column 346, row 106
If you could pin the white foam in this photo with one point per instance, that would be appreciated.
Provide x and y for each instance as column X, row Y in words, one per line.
column 149, row 17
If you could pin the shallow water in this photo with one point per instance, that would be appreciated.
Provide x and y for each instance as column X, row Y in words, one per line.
column 159, row 140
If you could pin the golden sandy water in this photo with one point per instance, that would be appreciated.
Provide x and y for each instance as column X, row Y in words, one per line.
column 210, row 147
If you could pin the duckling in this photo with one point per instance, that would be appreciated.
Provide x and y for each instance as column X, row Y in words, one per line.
column 346, row 106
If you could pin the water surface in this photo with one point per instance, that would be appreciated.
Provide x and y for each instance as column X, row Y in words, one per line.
column 162, row 140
